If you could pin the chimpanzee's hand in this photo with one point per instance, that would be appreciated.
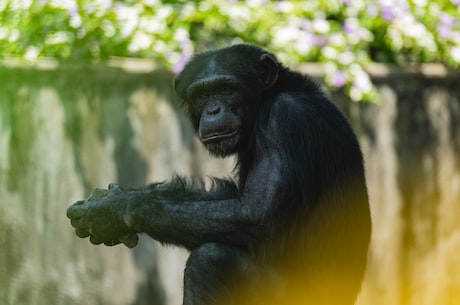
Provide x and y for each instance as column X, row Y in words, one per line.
column 102, row 217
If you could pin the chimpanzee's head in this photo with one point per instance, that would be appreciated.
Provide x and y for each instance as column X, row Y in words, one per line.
column 223, row 90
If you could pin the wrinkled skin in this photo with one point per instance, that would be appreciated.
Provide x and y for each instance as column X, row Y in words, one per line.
column 89, row 218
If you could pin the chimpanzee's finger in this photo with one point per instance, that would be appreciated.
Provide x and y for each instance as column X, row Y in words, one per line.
column 82, row 233
column 112, row 242
column 78, row 223
column 76, row 210
column 115, row 188
column 113, row 185
column 96, row 240
column 129, row 240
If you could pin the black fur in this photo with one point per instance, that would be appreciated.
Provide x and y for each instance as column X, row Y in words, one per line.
column 295, row 226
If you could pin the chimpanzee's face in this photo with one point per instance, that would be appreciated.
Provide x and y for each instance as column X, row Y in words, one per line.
column 223, row 92
column 215, row 102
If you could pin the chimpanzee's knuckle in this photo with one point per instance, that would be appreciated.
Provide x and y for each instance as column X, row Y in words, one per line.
column 82, row 233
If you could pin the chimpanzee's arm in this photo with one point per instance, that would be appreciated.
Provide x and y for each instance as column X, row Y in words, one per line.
column 181, row 215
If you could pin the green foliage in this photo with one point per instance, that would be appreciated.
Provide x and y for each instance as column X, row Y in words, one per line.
column 342, row 34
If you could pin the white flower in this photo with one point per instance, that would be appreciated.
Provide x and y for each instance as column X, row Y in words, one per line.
column 321, row 26
column 14, row 35
column 284, row 6
column 421, row 3
column 104, row 4
column 75, row 21
column 20, row 5
column 152, row 25
column 188, row 10
column 152, row 2
column 69, row 5
column 181, row 35
column 256, row 3
column 32, row 53
column 57, row 38
column 356, row 94
column 345, row 58
column 164, row 12
column 303, row 44
column 3, row 32
column 337, row 39
column 108, row 28
column 295, row 37
column 284, row 35
column 354, row 32
column 330, row 67
column 140, row 41
column 362, row 82
column 358, row 4
column 238, row 12
column 129, row 19
column 330, row 52
column 455, row 53
column 160, row 47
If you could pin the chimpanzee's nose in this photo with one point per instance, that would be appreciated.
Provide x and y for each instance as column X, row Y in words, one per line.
column 213, row 110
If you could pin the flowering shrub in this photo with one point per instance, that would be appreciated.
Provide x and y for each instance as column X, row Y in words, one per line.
column 342, row 34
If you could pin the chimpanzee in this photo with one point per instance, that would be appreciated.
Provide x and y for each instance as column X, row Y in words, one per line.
column 292, row 228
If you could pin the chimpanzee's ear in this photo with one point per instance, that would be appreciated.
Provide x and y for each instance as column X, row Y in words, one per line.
column 268, row 70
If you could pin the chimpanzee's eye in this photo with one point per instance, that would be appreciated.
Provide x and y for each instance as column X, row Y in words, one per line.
column 226, row 89
column 203, row 94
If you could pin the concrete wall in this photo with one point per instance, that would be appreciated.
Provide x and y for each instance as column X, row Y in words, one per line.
column 67, row 129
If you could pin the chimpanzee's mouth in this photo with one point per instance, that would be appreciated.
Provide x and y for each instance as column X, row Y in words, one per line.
column 218, row 136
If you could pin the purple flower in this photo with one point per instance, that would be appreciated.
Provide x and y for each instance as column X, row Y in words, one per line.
column 373, row 11
column 351, row 26
column 456, row 2
column 179, row 66
column 318, row 40
column 106, row 4
column 306, row 25
column 445, row 31
column 447, row 19
column 339, row 79
column 388, row 13
column 313, row 39
column 447, row 22
column 347, row 28
column 118, row 6
column 283, row 6
column 73, row 11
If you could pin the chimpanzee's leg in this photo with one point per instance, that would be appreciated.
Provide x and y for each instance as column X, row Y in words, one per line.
column 212, row 272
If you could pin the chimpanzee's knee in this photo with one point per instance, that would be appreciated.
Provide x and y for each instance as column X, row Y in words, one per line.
column 208, row 268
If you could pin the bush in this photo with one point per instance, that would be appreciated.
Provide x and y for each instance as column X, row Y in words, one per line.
column 342, row 34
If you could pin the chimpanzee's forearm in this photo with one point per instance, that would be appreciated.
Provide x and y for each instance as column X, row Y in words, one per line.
column 191, row 223
column 196, row 189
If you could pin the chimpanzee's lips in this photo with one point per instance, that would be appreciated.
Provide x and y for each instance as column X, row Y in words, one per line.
column 218, row 136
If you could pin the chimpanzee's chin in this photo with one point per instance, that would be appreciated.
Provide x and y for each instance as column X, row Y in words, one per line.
column 223, row 148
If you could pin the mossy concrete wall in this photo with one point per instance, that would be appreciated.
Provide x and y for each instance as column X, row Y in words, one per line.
column 67, row 129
